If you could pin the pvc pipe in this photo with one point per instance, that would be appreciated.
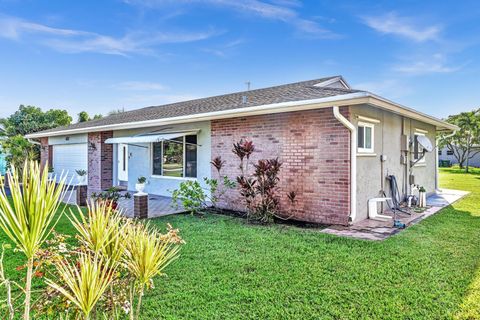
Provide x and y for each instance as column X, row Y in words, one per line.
column 353, row 161
column 436, row 158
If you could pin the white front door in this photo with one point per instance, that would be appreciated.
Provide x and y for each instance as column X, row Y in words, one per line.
column 122, row 162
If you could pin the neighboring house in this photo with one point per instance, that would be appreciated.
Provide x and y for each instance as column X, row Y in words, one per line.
column 445, row 154
column 311, row 126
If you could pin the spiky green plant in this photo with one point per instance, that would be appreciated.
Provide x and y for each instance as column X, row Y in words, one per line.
column 147, row 253
column 84, row 282
column 30, row 217
column 101, row 230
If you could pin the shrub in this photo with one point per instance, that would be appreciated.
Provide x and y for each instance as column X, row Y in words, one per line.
column 29, row 218
column 141, row 180
column 195, row 198
column 259, row 189
column 114, row 262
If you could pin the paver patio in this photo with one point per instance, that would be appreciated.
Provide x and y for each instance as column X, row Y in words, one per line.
column 379, row 230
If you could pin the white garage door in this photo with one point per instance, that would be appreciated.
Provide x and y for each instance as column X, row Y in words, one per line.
column 68, row 158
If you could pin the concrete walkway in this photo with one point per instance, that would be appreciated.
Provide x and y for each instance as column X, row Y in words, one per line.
column 379, row 230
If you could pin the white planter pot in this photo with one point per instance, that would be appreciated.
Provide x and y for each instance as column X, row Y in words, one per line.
column 81, row 180
column 140, row 187
column 422, row 198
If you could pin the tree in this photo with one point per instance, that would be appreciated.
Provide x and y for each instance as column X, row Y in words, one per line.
column 83, row 117
column 18, row 150
column 29, row 119
column 465, row 143
column 116, row 111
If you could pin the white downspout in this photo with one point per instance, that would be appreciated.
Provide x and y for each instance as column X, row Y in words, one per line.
column 353, row 161
column 436, row 158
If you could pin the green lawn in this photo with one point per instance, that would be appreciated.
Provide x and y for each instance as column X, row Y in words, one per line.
column 232, row 270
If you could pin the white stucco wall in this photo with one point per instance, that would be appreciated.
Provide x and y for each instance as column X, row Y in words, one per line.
column 140, row 158
column 371, row 172
column 69, row 139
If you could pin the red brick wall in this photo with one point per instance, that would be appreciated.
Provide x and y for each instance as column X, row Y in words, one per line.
column 314, row 149
column 100, row 161
column 46, row 154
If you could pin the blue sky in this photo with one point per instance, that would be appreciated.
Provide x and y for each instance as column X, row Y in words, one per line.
column 103, row 55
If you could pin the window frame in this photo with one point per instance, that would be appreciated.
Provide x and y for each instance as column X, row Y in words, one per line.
column 372, row 144
column 161, row 157
column 415, row 134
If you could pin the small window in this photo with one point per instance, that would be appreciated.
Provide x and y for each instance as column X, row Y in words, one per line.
column 439, row 152
column 417, row 148
column 365, row 137
column 449, row 153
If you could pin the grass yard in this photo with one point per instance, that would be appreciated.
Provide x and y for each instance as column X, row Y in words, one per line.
column 231, row 270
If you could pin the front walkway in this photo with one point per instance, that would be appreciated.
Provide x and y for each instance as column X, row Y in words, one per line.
column 158, row 206
column 379, row 230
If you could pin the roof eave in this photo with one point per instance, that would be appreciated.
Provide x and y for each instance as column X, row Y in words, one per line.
column 339, row 100
column 411, row 113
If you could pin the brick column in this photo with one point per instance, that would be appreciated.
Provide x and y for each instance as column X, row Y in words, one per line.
column 82, row 193
column 100, row 161
column 140, row 206
column 46, row 153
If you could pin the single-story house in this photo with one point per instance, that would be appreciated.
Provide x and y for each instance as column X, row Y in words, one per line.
column 337, row 145
column 446, row 154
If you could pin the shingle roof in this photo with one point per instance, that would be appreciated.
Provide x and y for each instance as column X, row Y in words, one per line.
column 284, row 93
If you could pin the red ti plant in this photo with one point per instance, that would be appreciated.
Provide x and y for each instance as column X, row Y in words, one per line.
column 243, row 150
column 259, row 189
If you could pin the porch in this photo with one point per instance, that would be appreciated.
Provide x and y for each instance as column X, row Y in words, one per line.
column 158, row 206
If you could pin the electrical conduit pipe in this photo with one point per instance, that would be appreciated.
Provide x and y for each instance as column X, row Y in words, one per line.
column 353, row 161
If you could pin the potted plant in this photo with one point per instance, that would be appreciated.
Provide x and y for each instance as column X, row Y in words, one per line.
column 51, row 173
column 81, row 176
column 111, row 196
column 140, row 185
column 422, row 197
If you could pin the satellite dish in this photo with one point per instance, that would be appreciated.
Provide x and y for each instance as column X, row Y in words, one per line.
column 425, row 143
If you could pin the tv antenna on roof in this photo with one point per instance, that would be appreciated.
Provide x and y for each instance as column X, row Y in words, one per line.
column 248, row 85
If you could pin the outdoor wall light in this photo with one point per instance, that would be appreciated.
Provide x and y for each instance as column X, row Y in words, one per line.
column 93, row 146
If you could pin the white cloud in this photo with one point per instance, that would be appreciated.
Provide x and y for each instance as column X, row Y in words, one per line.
column 280, row 10
column 76, row 41
column 434, row 64
column 391, row 23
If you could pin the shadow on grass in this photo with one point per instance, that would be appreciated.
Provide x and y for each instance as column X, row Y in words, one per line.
column 472, row 171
